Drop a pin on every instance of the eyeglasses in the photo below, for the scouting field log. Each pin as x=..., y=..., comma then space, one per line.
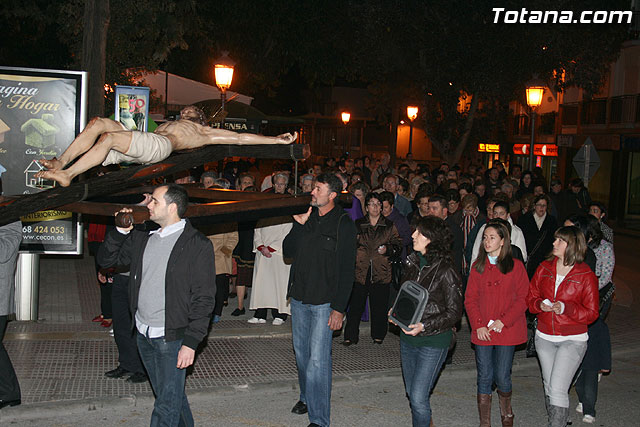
x=540, y=205
x=374, y=204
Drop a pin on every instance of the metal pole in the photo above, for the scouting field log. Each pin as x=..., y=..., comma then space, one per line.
x=223, y=98
x=410, y=138
x=27, y=285
x=533, y=131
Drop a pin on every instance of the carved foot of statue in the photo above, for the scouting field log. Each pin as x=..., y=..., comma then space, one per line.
x=60, y=176
x=53, y=164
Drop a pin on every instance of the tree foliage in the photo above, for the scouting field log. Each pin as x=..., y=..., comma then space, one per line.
x=429, y=52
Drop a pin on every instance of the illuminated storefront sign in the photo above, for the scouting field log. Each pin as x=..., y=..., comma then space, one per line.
x=488, y=148
x=547, y=150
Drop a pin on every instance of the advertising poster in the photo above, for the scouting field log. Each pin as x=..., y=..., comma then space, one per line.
x=51, y=232
x=132, y=107
x=41, y=112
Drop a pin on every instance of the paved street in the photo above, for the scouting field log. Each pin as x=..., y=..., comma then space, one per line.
x=245, y=375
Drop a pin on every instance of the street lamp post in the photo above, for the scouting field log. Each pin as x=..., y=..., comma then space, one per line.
x=223, y=69
x=412, y=113
x=346, y=116
x=535, y=91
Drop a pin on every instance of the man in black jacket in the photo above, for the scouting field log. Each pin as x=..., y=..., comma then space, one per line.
x=322, y=244
x=172, y=292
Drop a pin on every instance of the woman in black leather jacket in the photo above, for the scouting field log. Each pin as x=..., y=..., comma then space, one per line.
x=424, y=347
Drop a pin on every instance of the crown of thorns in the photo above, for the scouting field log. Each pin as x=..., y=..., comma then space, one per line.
x=193, y=114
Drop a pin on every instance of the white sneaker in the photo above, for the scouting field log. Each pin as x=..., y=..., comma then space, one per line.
x=589, y=419
x=256, y=320
x=277, y=321
x=579, y=408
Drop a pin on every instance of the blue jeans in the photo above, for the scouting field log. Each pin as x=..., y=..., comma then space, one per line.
x=160, y=358
x=312, y=345
x=420, y=369
x=494, y=364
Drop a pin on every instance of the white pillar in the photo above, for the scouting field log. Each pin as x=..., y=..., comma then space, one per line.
x=27, y=285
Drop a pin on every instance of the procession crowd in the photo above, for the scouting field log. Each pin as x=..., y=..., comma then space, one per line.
x=525, y=264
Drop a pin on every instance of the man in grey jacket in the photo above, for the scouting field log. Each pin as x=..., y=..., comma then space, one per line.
x=10, y=237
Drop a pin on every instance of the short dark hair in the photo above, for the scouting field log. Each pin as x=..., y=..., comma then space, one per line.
x=502, y=204
x=178, y=195
x=427, y=187
x=372, y=195
x=404, y=184
x=387, y=196
x=577, y=182
x=452, y=194
x=465, y=186
x=438, y=198
x=545, y=198
x=333, y=182
x=600, y=206
x=421, y=195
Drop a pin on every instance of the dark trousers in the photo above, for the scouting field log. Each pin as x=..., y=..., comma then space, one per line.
x=9, y=387
x=587, y=390
x=261, y=313
x=106, y=288
x=222, y=293
x=123, y=331
x=378, y=306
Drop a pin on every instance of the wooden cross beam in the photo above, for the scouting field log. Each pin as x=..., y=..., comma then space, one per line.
x=12, y=208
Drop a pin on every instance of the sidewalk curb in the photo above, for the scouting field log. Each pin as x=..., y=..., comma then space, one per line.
x=41, y=410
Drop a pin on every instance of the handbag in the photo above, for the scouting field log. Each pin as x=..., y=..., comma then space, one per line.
x=396, y=271
x=530, y=350
x=606, y=295
x=535, y=249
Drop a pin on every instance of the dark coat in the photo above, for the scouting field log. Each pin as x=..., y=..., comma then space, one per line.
x=190, y=282
x=370, y=238
x=324, y=254
x=539, y=242
x=442, y=281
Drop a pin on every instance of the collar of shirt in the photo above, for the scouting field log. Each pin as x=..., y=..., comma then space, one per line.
x=170, y=229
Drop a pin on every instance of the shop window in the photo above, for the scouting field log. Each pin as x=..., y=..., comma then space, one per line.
x=594, y=112
x=569, y=114
x=633, y=196
x=547, y=123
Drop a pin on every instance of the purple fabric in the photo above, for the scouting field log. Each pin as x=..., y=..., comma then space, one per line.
x=355, y=211
x=404, y=230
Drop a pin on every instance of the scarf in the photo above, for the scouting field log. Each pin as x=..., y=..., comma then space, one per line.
x=468, y=222
x=539, y=220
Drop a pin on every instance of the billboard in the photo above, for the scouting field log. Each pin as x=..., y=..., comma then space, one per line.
x=132, y=107
x=41, y=112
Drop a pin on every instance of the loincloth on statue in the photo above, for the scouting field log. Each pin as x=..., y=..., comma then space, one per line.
x=145, y=148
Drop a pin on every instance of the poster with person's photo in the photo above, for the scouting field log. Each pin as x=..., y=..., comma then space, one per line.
x=132, y=107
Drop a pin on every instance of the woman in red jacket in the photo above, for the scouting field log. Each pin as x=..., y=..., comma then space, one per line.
x=496, y=303
x=564, y=295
